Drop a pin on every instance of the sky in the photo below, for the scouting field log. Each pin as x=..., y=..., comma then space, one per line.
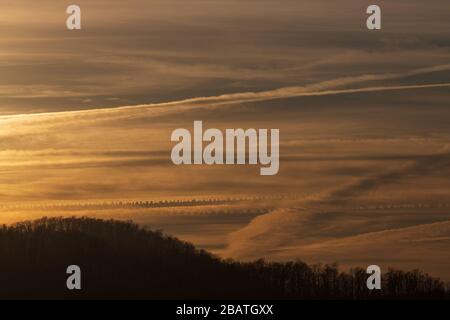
x=86, y=116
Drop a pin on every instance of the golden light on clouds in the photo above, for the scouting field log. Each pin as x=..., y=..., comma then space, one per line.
x=86, y=119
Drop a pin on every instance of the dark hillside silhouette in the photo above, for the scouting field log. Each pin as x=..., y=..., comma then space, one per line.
x=122, y=260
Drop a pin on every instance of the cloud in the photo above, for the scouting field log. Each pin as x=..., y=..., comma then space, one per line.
x=147, y=52
x=364, y=117
x=319, y=89
x=404, y=248
x=273, y=231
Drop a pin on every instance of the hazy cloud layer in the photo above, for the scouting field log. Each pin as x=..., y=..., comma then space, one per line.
x=344, y=152
x=140, y=51
x=364, y=121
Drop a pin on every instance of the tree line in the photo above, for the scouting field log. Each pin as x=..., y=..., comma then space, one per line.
x=123, y=260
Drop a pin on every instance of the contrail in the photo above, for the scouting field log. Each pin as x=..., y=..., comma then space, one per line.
x=262, y=96
x=342, y=91
x=318, y=89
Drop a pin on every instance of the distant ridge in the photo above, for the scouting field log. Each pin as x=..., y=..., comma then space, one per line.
x=122, y=260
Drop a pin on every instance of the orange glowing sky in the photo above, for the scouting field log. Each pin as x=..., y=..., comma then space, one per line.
x=363, y=117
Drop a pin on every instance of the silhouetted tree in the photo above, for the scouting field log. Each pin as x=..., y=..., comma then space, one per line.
x=123, y=260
